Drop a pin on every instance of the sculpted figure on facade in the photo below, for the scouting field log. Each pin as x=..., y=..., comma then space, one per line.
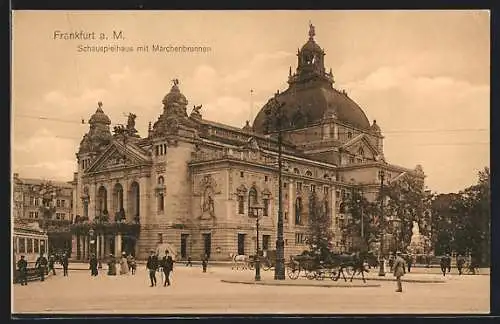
x=195, y=113
x=131, y=124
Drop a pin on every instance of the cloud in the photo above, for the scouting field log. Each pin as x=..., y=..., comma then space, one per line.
x=54, y=156
x=439, y=121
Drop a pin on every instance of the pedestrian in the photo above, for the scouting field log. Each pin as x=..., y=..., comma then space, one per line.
x=460, y=263
x=52, y=261
x=444, y=264
x=399, y=270
x=448, y=262
x=65, y=264
x=410, y=262
x=93, y=265
x=111, y=265
x=204, y=263
x=129, y=262
x=22, y=265
x=189, y=263
x=41, y=265
x=152, y=266
x=391, y=262
x=123, y=264
x=168, y=266
x=133, y=265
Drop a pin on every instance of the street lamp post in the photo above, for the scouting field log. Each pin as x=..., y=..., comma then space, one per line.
x=256, y=213
x=381, y=271
x=275, y=115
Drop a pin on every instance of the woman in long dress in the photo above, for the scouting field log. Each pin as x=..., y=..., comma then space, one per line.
x=123, y=264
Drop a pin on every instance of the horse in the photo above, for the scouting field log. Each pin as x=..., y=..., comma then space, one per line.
x=239, y=260
x=357, y=261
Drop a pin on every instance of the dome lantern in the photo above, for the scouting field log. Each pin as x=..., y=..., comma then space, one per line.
x=99, y=117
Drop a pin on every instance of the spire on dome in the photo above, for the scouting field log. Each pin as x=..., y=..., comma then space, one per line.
x=312, y=31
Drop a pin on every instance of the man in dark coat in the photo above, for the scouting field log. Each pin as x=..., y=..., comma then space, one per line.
x=168, y=266
x=444, y=264
x=52, y=262
x=93, y=265
x=41, y=265
x=65, y=263
x=152, y=266
x=460, y=263
x=410, y=262
x=399, y=270
x=448, y=262
x=204, y=263
x=22, y=265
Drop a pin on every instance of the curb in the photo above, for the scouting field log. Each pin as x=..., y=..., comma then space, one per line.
x=404, y=280
x=263, y=283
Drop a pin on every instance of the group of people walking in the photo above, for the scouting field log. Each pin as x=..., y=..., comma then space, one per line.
x=166, y=265
x=126, y=263
x=43, y=266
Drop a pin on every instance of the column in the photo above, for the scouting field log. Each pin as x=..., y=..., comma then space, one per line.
x=144, y=200
x=98, y=246
x=74, y=246
x=118, y=244
x=109, y=198
x=78, y=248
x=126, y=193
x=93, y=202
x=291, y=202
x=103, y=246
x=334, y=212
x=84, y=247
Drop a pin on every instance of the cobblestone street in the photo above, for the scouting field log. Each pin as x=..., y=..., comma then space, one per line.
x=195, y=292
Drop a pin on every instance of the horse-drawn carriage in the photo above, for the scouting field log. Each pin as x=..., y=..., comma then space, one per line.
x=267, y=260
x=330, y=266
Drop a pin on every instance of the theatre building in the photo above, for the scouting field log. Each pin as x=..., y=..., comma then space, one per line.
x=193, y=182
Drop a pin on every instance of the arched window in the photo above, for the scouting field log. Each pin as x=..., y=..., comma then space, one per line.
x=298, y=210
x=296, y=171
x=361, y=152
x=252, y=199
x=241, y=205
x=349, y=135
x=102, y=201
x=161, y=180
x=309, y=173
x=161, y=201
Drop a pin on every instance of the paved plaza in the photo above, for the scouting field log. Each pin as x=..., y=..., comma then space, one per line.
x=195, y=292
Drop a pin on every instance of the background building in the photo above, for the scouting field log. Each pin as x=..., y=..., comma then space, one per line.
x=191, y=181
x=48, y=203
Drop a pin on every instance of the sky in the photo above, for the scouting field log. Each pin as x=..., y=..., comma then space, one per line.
x=423, y=75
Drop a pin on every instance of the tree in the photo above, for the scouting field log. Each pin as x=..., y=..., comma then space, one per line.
x=364, y=214
x=406, y=197
x=319, y=232
x=462, y=221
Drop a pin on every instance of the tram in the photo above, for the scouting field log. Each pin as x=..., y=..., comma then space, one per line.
x=28, y=240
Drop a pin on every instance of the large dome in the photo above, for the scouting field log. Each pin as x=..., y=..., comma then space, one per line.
x=311, y=96
x=314, y=103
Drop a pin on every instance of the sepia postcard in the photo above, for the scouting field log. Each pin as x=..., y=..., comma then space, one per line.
x=250, y=162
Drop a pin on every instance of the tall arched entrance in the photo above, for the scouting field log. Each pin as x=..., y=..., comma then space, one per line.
x=129, y=239
x=102, y=202
x=118, y=207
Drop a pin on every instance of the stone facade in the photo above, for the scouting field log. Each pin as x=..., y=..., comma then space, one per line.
x=47, y=202
x=191, y=181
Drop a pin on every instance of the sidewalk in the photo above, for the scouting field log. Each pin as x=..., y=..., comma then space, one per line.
x=304, y=283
